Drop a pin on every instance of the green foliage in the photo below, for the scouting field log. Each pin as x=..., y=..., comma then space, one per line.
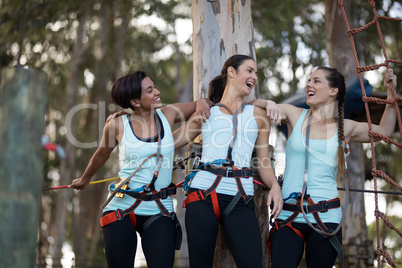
x=290, y=35
x=386, y=159
x=392, y=242
x=290, y=40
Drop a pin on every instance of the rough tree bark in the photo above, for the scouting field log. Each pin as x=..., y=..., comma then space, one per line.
x=341, y=56
x=220, y=30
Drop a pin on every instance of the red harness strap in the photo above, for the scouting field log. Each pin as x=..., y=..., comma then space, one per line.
x=155, y=196
x=200, y=195
x=234, y=173
x=314, y=208
x=112, y=217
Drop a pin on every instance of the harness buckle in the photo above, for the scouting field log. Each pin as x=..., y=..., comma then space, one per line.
x=148, y=190
x=305, y=208
x=229, y=172
x=201, y=196
x=248, y=199
x=324, y=206
x=245, y=173
x=163, y=193
x=118, y=214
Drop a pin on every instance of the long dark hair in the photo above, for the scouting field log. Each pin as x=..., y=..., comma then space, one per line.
x=218, y=84
x=127, y=88
x=337, y=80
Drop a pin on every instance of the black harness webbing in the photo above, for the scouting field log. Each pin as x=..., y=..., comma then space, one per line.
x=228, y=170
x=324, y=231
x=313, y=208
x=150, y=195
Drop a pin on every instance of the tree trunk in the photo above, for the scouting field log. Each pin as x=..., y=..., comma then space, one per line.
x=59, y=228
x=220, y=30
x=341, y=56
x=87, y=212
x=22, y=109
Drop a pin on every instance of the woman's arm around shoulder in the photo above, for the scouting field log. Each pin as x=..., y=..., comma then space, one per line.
x=180, y=112
x=279, y=113
x=265, y=170
x=187, y=132
x=111, y=132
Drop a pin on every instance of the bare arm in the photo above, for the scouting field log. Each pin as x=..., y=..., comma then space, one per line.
x=101, y=155
x=180, y=112
x=273, y=110
x=265, y=169
x=358, y=131
x=187, y=132
x=279, y=113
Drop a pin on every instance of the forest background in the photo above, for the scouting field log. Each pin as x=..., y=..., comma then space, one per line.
x=83, y=46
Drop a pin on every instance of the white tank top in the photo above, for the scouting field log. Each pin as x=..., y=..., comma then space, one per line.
x=132, y=152
x=216, y=137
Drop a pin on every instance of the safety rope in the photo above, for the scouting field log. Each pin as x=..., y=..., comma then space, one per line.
x=359, y=69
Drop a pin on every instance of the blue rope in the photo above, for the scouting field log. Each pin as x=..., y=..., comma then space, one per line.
x=292, y=195
x=187, y=180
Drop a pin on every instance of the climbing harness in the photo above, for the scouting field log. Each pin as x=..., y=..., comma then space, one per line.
x=313, y=208
x=221, y=168
x=145, y=193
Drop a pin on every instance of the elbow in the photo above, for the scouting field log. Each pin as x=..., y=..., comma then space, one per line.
x=389, y=133
x=103, y=153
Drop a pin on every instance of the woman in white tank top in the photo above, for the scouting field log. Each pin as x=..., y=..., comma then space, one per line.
x=221, y=193
x=139, y=135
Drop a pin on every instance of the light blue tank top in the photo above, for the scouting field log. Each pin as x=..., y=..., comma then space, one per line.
x=216, y=136
x=322, y=169
x=132, y=152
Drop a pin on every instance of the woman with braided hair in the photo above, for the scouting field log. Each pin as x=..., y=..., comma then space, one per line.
x=315, y=158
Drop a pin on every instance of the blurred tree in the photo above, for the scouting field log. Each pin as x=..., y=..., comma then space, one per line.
x=121, y=36
x=220, y=30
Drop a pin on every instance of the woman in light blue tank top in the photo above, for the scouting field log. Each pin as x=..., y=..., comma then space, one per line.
x=138, y=136
x=318, y=231
x=222, y=192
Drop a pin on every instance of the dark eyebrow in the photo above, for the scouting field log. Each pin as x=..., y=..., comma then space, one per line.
x=253, y=69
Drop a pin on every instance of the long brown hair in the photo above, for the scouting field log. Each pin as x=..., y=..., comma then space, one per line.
x=337, y=80
x=218, y=84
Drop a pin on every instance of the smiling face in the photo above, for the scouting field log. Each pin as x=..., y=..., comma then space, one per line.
x=245, y=78
x=150, y=96
x=318, y=90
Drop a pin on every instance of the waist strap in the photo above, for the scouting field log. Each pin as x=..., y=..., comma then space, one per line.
x=162, y=194
x=322, y=206
x=228, y=172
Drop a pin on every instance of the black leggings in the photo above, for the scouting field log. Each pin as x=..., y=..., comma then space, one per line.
x=240, y=229
x=158, y=242
x=288, y=247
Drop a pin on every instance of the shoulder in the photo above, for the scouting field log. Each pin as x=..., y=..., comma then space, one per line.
x=289, y=108
x=169, y=112
x=259, y=111
x=261, y=118
x=292, y=113
x=116, y=125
